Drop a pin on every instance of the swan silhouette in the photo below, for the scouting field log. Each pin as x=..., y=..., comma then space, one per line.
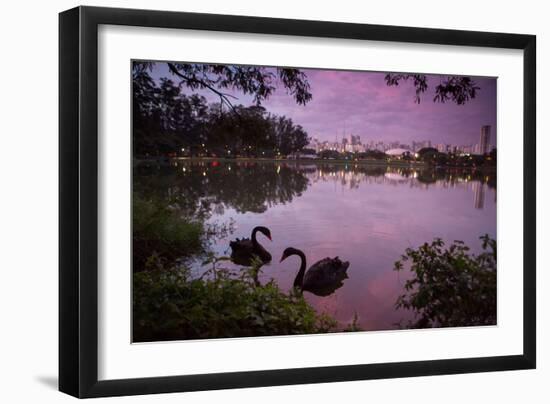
x=322, y=278
x=244, y=250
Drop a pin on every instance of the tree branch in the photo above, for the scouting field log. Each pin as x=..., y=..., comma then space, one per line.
x=223, y=96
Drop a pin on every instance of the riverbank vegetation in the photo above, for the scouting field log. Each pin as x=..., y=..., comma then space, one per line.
x=169, y=304
x=450, y=286
x=162, y=235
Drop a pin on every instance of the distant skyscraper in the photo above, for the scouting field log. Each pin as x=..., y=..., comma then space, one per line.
x=484, y=139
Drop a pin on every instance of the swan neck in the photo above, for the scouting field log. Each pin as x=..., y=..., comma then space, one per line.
x=299, y=281
x=253, y=236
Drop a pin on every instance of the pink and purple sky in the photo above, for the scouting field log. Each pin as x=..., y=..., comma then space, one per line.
x=362, y=104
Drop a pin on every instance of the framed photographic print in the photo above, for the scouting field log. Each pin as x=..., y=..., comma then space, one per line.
x=251, y=201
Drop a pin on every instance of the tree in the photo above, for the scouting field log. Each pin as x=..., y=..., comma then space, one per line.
x=167, y=121
x=425, y=150
x=309, y=152
x=161, y=114
x=373, y=154
x=433, y=156
x=492, y=158
x=257, y=81
x=329, y=154
x=458, y=89
x=289, y=138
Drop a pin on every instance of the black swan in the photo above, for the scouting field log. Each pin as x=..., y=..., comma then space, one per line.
x=322, y=278
x=244, y=250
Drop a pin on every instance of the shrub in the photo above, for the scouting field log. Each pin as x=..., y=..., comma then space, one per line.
x=161, y=231
x=169, y=305
x=450, y=287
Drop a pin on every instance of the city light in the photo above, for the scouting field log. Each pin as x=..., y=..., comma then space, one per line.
x=354, y=144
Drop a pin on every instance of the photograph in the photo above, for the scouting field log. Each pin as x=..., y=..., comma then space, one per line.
x=276, y=201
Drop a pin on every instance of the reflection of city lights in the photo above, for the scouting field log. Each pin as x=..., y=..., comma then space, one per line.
x=204, y=173
x=278, y=169
x=229, y=168
x=184, y=169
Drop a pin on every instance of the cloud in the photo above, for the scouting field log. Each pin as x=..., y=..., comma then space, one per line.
x=361, y=103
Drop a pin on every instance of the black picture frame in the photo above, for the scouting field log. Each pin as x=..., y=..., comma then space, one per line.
x=78, y=201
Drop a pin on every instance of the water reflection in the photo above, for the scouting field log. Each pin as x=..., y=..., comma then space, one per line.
x=367, y=215
x=256, y=186
x=479, y=195
x=204, y=187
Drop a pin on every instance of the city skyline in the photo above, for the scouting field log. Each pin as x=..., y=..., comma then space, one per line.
x=360, y=103
x=354, y=143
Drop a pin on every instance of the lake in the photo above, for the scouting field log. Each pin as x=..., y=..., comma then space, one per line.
x=365, y=214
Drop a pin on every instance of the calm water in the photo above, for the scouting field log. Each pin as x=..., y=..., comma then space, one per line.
x=365, y=215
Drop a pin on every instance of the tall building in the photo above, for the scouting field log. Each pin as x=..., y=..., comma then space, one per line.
x=485, y=139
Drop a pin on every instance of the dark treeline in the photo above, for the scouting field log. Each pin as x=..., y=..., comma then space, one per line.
x=428, y=155
x=168, y=122
x=434, y=157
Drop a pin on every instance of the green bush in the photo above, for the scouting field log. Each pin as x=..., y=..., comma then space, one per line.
x=450, y=287
x=161, y=231
x=169, y=305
